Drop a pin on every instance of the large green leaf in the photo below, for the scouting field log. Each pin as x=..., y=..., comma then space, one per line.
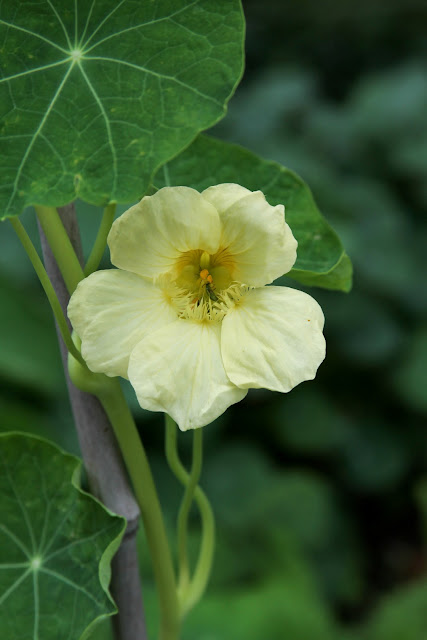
x=56, y=544
x=96, y=94
x=321, y=259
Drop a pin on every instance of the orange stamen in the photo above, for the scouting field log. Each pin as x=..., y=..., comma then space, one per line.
x=204, y=274
x=209, y=279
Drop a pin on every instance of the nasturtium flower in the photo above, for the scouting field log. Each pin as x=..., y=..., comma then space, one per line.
x=187, y=316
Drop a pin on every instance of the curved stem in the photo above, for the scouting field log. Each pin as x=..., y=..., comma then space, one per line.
x=200, y=578
x=196, y=468
x=61, y=246
x=101, y=240
x=112, y=399
x=47, y=286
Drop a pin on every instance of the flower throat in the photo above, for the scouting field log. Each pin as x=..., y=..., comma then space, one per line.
x=201, y=286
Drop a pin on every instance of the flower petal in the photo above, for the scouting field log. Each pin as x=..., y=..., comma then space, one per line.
x=255, y=234
x=273, y=339
x=111, y=311
x=178, y=370
x=149, y=237
x=222, y=196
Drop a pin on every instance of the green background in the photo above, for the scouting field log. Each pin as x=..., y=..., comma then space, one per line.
x=320, y=495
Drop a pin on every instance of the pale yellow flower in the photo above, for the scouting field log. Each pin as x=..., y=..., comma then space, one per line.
x=187, y=317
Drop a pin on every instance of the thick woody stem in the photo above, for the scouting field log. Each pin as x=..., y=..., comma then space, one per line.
x=104, y=466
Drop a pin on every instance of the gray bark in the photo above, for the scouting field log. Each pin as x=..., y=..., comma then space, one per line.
x=104, y=466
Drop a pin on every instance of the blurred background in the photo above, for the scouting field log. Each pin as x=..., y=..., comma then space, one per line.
x=320, y=495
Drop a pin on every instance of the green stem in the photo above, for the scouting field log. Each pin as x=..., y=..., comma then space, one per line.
x=182, y=527
x=47, y=286
x=204, y=563
x=61, y=246
x=101, y=240
x=114, y=403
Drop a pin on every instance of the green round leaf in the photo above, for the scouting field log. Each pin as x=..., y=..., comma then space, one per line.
x=94, y=96
x=56, y=544
x=321, y=260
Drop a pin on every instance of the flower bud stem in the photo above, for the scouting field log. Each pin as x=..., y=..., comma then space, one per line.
x=101, y=240
x=47, y=286
x=197, y=585
x=61, y=246
x=110, y=394
x=138, y=466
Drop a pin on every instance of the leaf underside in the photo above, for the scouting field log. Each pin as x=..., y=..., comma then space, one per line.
x=56, y=544
x=321, y=260
x=96, y=94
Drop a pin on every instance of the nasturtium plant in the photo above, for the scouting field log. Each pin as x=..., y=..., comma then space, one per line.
x=56, y=544
x=105, y=100
x=94, y=96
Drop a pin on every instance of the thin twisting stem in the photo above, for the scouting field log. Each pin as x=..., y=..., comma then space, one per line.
x=101, y=240
x=47, y=286
x=200, y=578
x=184, y=511
x=61, y=246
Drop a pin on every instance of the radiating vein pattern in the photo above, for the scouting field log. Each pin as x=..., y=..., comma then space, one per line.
x=96, y=95
x=52, y=540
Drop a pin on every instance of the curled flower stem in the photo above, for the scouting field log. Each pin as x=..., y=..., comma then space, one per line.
x=197, y=585
x=184, y=511
x=61, y=246
x=47, y=286
x=98, y=249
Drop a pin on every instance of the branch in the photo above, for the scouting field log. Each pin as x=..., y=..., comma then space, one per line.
x=106, y=472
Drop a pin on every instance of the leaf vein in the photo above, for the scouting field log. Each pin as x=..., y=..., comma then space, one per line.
x=21, y=506
x=29, y=71
x=36, y=134
x=107, y=125
x=137, y=26
x=157, y=75
x=89, y=15
x=16, y=540
x=58, y=17
x=36, y=605
x=75, y=543
x=14, y=586
x=35, y=35
x=58, y=530
x=70, y=583
x=101, y=24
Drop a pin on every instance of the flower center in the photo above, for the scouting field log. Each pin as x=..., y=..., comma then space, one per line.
x=206, y=280
x=201, y=286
